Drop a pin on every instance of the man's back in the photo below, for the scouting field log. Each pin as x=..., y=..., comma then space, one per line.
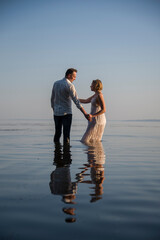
x=61, y=91
x=62, y=94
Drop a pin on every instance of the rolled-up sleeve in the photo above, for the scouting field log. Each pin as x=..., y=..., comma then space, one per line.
x=74, y=96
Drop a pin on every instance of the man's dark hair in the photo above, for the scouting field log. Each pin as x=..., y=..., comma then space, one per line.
x=70, y=71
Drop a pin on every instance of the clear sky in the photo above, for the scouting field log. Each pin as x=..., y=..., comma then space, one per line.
x=117, y=41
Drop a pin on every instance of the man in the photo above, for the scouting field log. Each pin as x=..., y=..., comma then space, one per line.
x=62, y=93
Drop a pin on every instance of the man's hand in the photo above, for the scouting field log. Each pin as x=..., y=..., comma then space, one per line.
x=88, y=117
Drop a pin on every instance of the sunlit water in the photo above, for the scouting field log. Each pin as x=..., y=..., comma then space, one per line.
x=108, y=191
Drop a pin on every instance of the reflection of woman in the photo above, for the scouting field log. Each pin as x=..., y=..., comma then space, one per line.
x=97, y=170
x=96, y=157
x=96, y=161
x=97, y=124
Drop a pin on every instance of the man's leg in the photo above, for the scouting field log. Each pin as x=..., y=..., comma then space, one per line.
x=67, y=121
x=58, y=127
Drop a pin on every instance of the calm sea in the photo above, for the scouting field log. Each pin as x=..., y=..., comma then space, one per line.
x=108, y=191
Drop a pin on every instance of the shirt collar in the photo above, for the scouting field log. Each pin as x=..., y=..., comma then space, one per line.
x=67, y=80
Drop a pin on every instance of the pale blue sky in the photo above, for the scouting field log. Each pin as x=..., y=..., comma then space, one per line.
x=116, y=41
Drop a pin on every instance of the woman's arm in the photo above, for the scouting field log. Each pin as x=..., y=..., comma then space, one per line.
x=102, y=105
x=88, y=100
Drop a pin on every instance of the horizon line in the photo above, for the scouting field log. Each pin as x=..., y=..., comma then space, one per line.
x=122, y=120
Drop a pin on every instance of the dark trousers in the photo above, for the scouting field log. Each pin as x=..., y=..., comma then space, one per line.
x=65, y=122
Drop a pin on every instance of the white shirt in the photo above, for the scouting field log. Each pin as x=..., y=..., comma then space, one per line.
x=62, y=93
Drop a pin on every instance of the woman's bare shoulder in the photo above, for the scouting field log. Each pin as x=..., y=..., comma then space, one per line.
x=100, y=95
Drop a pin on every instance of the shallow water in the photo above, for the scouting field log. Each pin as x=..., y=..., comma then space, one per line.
x=111, y=190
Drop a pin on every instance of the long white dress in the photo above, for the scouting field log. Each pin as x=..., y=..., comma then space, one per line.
x=95, y=129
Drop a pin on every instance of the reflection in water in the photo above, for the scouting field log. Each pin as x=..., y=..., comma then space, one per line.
x=61, y=183
x=96, y=161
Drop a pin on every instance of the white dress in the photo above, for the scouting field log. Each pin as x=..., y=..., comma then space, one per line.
x=95, y=129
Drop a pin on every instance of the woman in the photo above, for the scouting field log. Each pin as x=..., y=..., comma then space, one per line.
x=97, y=121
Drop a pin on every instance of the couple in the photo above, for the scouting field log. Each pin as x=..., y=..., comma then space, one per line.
x=62, y=93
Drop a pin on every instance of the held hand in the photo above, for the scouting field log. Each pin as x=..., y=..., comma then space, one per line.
x=88, y=117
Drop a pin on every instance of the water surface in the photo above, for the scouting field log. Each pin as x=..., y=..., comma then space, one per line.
x=111, y=190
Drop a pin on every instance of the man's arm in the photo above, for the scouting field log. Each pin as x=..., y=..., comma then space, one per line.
x=74, y=96
x=87, y=116
x=75, y=99
x=52, y=98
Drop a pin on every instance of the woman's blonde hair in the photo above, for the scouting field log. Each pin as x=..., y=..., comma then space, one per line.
x=97, y=84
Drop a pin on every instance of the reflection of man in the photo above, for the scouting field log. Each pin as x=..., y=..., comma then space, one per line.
x=62, y=93
x=61, y=183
